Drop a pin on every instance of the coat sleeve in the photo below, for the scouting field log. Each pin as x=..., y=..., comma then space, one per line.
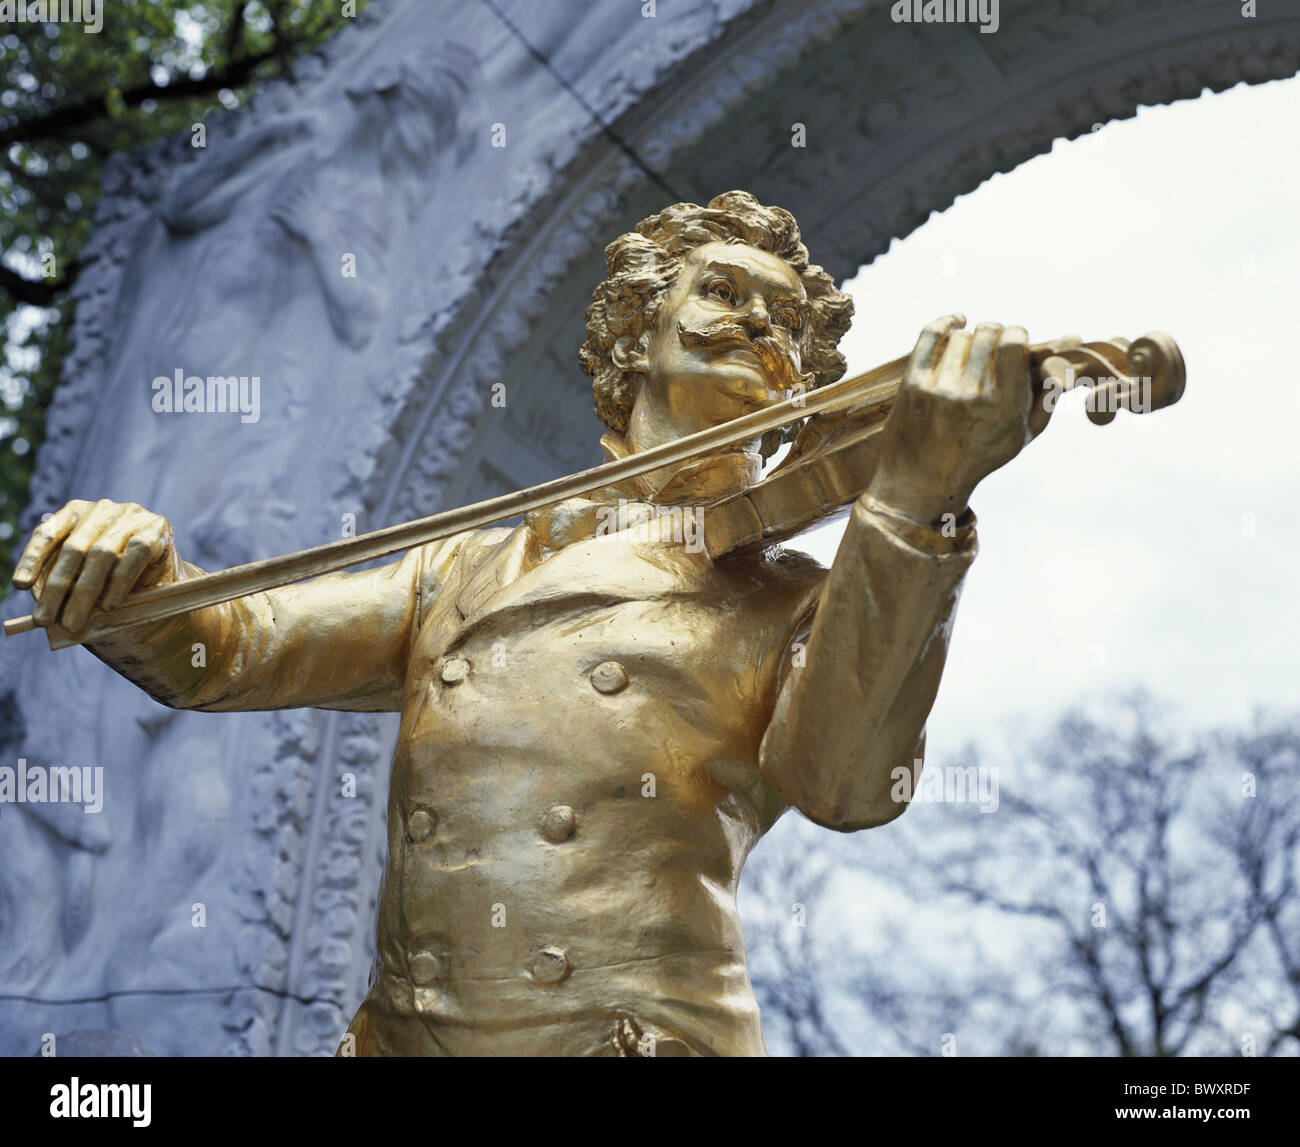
x=851, y=712
x=341, y=641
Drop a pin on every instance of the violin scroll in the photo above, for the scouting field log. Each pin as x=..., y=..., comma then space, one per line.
x=1146, y=374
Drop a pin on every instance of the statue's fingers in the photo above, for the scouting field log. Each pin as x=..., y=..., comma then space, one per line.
x=45, y=538
x=1041, y=406
x=929, y=347
x=72, y=554
x=99, y=563
x=1014, y=378
x=86, y=589
x=144, y=547
x=979, y=376
x=1011, y=363
x=952, y=364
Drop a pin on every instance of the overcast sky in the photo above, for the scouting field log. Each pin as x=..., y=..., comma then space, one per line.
x=1162, y=549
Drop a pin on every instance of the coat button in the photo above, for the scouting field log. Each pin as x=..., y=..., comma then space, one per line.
x=609, y=677
x=558, y=823
x=551, y=966
x=419, y=826
x=426, y=968
x=454, y=670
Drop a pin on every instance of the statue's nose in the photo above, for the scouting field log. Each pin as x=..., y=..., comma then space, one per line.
x=755, y=316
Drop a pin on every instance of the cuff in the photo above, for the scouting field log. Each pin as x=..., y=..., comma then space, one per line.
x=937, y=539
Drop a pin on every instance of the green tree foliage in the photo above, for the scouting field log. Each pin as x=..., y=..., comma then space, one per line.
x=70, y=98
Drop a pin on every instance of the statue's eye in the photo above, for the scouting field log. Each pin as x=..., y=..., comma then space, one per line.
x=722, y=290
x=787, y=317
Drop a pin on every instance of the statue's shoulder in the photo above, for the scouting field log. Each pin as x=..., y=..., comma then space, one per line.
x=783, y=569
x=460, y=552
x=791, y=587
x=489, y=539
x=796, y=565
x=477, y=546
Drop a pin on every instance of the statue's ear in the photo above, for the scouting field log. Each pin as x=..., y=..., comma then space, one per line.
x=627, y=355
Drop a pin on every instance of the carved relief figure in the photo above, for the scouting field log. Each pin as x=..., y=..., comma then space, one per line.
x=247, y=239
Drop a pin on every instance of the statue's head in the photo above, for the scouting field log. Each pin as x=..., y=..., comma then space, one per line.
x=715, y=308
x=417, y=108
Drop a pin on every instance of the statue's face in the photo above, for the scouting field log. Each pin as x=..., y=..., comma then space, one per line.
x=728, y=336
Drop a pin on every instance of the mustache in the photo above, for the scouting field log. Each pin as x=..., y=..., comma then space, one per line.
x=771, y=353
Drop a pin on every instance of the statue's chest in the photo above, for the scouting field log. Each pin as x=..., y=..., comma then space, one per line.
x=605, y=671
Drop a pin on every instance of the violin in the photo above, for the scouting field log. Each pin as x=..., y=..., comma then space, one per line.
x=833, y=456
x=830, y=462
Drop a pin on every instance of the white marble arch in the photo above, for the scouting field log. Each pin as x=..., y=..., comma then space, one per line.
x=474, y=268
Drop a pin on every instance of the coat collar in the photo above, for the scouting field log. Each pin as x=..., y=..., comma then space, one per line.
x=626, y=513
x=625, y=504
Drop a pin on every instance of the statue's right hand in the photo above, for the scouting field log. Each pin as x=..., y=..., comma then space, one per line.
x=94, y=553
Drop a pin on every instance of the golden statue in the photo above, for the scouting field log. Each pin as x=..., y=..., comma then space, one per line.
x=605, y=707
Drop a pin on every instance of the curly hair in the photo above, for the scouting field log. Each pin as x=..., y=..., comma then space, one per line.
x=644, y=263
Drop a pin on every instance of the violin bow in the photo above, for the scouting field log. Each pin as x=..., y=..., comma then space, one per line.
x=1125, y=365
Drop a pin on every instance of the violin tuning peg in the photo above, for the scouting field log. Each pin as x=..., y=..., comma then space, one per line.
x=1156, y=364
x=1104, y=399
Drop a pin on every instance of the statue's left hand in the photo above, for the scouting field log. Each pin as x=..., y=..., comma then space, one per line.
x=965, y=407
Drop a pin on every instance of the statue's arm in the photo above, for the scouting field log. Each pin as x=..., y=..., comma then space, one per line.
x=341, y=641
x=854, y=711
x=205, y=193
x=354, y=301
